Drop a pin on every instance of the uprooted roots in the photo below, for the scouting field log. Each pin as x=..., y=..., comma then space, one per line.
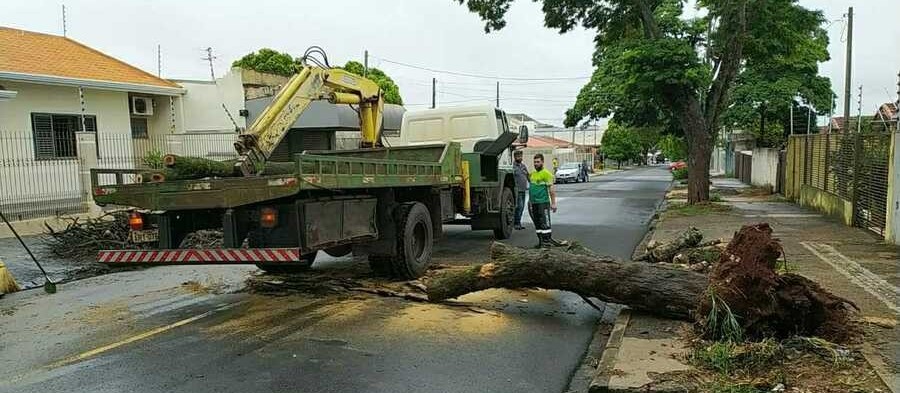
x=765, y=303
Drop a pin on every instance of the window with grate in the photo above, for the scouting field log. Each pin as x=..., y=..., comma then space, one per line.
x=54, y=134
x=139, y=128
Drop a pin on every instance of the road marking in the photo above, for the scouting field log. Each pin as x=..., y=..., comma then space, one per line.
x=862, y=277
x=138, y=337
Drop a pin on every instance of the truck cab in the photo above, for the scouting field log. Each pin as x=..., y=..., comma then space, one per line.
x=473, y=127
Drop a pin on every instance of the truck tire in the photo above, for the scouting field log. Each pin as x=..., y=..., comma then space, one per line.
x=304, y=264
x=415, y=241
x=507, y=215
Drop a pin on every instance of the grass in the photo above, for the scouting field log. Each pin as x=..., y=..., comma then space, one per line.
x=680, y=209
x=721, y=324
x=716, y=197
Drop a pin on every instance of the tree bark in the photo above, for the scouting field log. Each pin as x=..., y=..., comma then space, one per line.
x=763, y=302
x=657, y=289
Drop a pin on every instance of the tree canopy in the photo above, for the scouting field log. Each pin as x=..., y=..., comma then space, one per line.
x=268, y=60
x=620, y=144
x=657, y=65
x=388, y=87
x=274, y=62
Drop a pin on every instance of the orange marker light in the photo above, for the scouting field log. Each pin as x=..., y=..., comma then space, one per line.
x=136, y=221
x=268, y=217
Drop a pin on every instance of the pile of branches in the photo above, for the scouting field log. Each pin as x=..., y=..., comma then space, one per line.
x=83, y=237
x=687, y=250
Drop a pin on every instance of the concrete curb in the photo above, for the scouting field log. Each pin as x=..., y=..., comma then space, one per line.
x=600, y=382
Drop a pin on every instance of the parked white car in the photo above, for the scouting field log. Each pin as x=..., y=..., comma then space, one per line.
x=570, y=172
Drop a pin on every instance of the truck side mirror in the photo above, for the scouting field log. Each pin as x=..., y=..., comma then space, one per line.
x=523, y=134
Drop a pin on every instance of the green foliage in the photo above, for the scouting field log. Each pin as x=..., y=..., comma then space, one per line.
x=388, y=87
x=153, y=159
x=655, y=65
x=269, y=61
x=781, y=72
x=620, y=144
x=274, y=62
x=721, y=324
x=680, y=173
x=673, y=147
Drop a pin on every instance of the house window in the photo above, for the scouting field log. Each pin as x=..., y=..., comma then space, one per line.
x=54, y=135
x=139, y=128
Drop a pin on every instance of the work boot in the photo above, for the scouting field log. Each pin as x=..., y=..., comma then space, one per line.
x=557, y=243
x=545, y=241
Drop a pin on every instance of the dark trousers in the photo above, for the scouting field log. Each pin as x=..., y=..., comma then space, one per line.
x=520, y=206
x=540, y=216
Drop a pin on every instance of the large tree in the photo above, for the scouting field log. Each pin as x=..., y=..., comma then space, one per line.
x=274, y=62
x=620, y=144
x=652, y=59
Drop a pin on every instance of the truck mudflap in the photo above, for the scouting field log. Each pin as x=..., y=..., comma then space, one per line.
x=210, y=256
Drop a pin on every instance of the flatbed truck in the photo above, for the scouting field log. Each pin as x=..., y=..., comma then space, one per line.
x=387, y=202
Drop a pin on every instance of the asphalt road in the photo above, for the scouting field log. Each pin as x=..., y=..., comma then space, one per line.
x=142, y=331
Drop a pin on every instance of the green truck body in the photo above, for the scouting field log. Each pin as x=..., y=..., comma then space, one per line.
x=387, y=203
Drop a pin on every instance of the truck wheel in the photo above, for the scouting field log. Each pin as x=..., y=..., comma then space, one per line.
x=304, y=264
x=507, y=215
x=415, y=240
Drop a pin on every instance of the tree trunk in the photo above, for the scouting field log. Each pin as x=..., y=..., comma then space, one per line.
x=657, y=289
x=763, y=302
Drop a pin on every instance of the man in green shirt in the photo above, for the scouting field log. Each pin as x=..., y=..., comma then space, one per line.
x=542, y=200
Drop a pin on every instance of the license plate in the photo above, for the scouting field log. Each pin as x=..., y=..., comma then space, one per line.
x=145, y=236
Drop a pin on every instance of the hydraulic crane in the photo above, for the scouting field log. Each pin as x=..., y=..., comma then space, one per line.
x=315, y=80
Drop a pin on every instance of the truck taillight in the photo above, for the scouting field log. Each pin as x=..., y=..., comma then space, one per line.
x=136, y=221
x=268, y=217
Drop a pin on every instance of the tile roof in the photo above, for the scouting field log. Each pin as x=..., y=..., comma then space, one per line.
x=546, y=141
x=31, y=53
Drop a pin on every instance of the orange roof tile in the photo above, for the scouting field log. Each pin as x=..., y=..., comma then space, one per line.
x=31, y=53
x=546, y=141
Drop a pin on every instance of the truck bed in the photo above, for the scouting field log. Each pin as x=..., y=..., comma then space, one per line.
x=408, y=166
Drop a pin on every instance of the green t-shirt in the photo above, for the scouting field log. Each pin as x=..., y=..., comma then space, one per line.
x=539, y=191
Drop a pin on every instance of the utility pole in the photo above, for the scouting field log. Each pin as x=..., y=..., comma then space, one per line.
x=159, y=60
x=433, y=93
x=859, y=111
x=847, y=67
x=65, y=32
x=209, y=57
x=792, y=117
x=366, y=65
x=498, y=94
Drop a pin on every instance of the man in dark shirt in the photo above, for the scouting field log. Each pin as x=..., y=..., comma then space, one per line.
x=521, y=175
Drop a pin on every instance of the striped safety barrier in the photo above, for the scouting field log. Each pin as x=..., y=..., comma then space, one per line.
x=200, y=256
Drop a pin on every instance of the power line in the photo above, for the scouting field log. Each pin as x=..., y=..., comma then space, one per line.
x=470, y=75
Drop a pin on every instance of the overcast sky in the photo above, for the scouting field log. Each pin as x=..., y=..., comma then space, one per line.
x=436, y=34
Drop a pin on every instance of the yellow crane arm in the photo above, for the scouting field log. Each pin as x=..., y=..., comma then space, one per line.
x=311, y=83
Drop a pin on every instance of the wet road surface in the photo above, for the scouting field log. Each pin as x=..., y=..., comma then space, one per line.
x=142, y=331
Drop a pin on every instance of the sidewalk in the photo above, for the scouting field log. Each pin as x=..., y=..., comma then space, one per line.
x=849, y=262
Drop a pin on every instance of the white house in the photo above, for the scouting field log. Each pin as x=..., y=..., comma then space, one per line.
x=65, y=107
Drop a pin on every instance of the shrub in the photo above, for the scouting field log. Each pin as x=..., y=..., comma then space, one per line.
x=680, y=173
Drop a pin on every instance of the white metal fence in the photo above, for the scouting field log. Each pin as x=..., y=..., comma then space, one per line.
x=35, y=186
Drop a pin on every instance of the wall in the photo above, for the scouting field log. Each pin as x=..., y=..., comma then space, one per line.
x=717, y=162
x=764, y=172
x=202, y=103
x=110, y=107
x=892, y=229
x=827, y=203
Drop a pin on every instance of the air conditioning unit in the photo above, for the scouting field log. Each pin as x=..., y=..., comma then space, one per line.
x=142, y=106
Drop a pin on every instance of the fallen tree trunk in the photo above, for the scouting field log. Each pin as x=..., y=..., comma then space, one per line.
x=744, y=287
x=657, y=289
x=665, y=251
x=189, y=168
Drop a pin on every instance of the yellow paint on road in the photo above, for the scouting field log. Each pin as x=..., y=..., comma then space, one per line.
x=135, y=338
